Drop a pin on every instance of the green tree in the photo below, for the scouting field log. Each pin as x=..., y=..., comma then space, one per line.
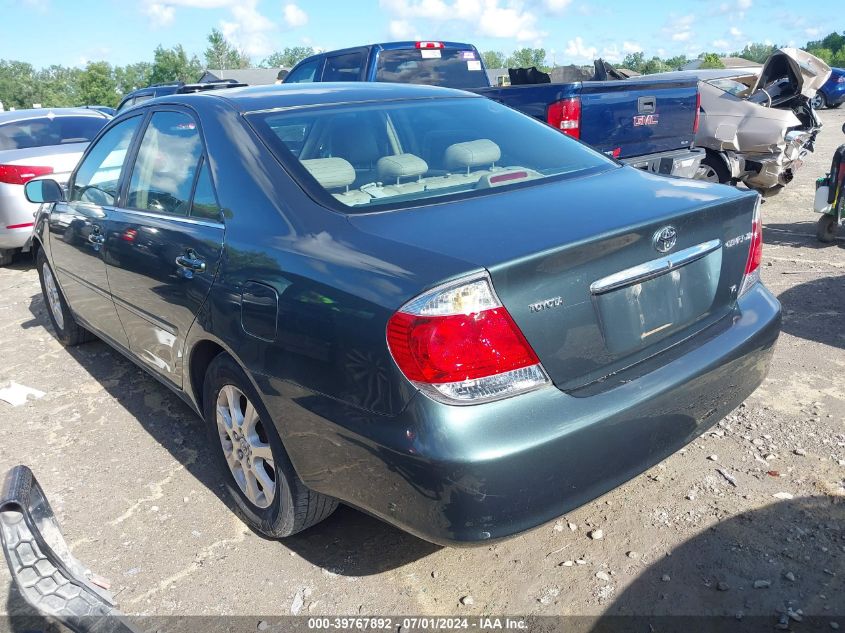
x=838, y=60
x=287, y=58
x=173, y=64
x=18, y=85
x=493, y=59
x=527, y=57
x=132, y=76
x=711, y=60
x=220, y=54
x=676, y=62
x=756, y=52
x=654, y=65
x=97, y=85
x=634, y=61
x=825, y=54
x=59, y=86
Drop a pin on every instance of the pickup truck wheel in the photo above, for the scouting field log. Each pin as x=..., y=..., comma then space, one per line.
x=819, y=102
x=712, y=169
x=267, y=493
x=826, y=229
x=68, y=331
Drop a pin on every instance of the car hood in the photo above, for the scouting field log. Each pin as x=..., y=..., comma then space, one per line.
x=807, y=71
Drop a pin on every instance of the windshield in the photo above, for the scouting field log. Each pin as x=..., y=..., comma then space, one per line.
x=731, y=86
x=371, y=156
x=446, y=67
x=50, y=130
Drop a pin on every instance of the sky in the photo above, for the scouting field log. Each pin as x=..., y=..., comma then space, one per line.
x=73, y=32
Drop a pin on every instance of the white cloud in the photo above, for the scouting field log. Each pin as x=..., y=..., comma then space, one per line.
x=813, y=31
x=249, y=29
x=735, y=32
x=400, y=29
x=679, y=28
x=577, y=51
x=631, y=47
x=721, y=45
x=557, y=6
x=506, y=19
x=160, y=15
x=294, y=16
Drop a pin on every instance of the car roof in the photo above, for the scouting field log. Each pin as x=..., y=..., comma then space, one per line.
x=280, y=96
x=39, y=113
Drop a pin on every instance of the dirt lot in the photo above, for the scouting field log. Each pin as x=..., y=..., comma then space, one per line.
x=128, y=471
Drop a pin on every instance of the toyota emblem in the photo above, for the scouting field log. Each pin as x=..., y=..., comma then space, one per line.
x=664, y=239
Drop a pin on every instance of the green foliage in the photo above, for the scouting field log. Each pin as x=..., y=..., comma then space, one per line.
x=132, y=76
x=825, y=54
x=711, y=60
x=222, y=55
x=527, y=57
x=756, y=52
x=638, y=62
x=173, y=64
x=97, y=85
x=493, y=59
x=287, y=58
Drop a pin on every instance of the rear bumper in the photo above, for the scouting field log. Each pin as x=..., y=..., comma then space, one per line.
x=16, y=217
x=459, y=475
x=682, y=163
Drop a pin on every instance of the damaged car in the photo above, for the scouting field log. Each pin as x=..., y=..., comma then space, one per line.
x=757, y=124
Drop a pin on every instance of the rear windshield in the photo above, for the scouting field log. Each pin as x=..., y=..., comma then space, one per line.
x=436, y=67
x=43, y=131
x=376, y=156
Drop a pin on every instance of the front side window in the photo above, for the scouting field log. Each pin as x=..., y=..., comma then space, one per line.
x=50, y=130
x=167, y=162
x=400, y=154
x=304, y=73
x=344, y=67
x=98, y=176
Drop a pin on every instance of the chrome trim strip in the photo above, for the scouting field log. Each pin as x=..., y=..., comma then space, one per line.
x=654, y=268
x=184, y=219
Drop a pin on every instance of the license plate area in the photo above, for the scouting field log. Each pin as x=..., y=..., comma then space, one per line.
x=644, y=304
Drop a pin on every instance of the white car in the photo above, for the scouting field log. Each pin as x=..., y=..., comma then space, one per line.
x=36, y=143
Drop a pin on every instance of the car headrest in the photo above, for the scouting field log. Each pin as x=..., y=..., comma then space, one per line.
x=331, y=173
x=472, y=154
x=399, y=166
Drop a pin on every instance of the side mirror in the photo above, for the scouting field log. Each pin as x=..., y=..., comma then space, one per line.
x=43, y=190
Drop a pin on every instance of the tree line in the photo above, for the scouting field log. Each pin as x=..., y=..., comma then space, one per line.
x=100, y=83
x=831, y=49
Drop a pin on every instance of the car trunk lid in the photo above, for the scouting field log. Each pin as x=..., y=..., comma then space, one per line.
x=578, y=263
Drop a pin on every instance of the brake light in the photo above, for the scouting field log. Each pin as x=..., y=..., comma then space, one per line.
x=697, y=113
x=21, y=174
x=459, y=345
x=565, y=115
x=755, y=253
x=429, y=44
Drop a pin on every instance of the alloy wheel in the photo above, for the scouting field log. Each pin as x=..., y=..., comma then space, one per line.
x=53, y=299
x=707, y=173
x=246, y=446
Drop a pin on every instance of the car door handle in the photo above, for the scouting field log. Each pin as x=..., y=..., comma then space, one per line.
x=191, y=261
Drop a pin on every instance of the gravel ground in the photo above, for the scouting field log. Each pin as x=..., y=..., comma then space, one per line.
x=758, y=501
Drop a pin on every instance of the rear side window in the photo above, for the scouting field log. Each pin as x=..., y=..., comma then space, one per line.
x=167, y=162
x=437, y=67
x=304, y=73
x=205, y=201
x=50, y=130
x=98, y=176
x=344, y=67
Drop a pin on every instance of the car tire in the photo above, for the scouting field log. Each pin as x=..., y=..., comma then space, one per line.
x=68, y=331
x=836, y=105
x=253, y=458
x=6, y=257
x=819, y=101
x=826, y=229
x=713, y=169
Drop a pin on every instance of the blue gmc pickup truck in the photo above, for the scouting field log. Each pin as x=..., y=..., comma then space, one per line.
x=647, y=123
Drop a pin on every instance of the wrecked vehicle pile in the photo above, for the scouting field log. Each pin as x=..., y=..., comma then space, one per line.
x=758, y=125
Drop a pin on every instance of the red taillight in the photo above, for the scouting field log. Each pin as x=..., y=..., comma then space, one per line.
x=21, y=174
x=697, y=113
x=429, y=44
x=460, y=345
x=755, y=253
x=457, y=347
x=565, y=115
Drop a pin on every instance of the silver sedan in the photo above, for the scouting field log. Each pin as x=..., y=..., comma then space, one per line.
x=35, y=143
